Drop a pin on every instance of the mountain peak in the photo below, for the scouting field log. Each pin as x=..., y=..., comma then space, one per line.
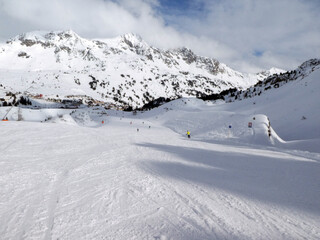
x=134, y=40
x=33, y=37
x=123, y=70
x=68, y=34
x=132, y=37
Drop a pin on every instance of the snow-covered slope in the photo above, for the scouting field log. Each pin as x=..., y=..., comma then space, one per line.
x=276, y=81
x=125, y=71
x=76, y=177
x=290, y=101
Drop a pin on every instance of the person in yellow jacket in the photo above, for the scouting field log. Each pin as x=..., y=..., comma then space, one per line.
x=188, y=133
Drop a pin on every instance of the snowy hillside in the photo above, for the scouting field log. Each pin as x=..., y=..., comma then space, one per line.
x=65, y=174
x=125, y=71
x=277, y=80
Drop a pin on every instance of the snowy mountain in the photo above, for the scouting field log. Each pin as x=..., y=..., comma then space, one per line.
x=124, y=71
x=276, y=81
x=96, y=173
x=272, y=82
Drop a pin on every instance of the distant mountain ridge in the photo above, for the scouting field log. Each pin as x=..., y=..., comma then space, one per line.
x=271, y=82
x=124, y=71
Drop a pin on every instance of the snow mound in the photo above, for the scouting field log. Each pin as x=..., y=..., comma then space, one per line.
x=262, y=132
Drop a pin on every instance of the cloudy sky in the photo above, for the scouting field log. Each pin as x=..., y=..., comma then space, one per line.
x=247, y=35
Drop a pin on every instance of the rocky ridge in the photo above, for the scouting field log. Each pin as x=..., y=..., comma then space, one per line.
x=124, y=71
x=272, y=82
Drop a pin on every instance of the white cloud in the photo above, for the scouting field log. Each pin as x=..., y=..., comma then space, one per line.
x=280, y=29
x=283, y=32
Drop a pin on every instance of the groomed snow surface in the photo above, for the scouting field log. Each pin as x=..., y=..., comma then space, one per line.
x=66, y=175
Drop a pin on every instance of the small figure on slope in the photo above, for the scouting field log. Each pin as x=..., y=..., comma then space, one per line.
x=188, y=134
x=269, y=128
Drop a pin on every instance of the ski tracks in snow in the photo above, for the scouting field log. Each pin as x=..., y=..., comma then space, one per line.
x=220, y=214
x=191, y=208
x=106, y=183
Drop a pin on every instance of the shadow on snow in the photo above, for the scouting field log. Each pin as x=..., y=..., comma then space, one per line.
x=284, y=180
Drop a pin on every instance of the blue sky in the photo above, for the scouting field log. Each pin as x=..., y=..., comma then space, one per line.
x=175, y=4
x=181, y=7
x=171, y=10
x=247, y=35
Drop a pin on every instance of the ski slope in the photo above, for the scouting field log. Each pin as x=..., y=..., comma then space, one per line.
x=65, y=174
x=72, y=177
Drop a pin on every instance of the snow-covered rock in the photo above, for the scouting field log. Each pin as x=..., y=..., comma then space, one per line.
x=124, y=71
x=274, y=81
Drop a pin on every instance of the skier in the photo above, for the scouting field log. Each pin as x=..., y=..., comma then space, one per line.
x=188, y=133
